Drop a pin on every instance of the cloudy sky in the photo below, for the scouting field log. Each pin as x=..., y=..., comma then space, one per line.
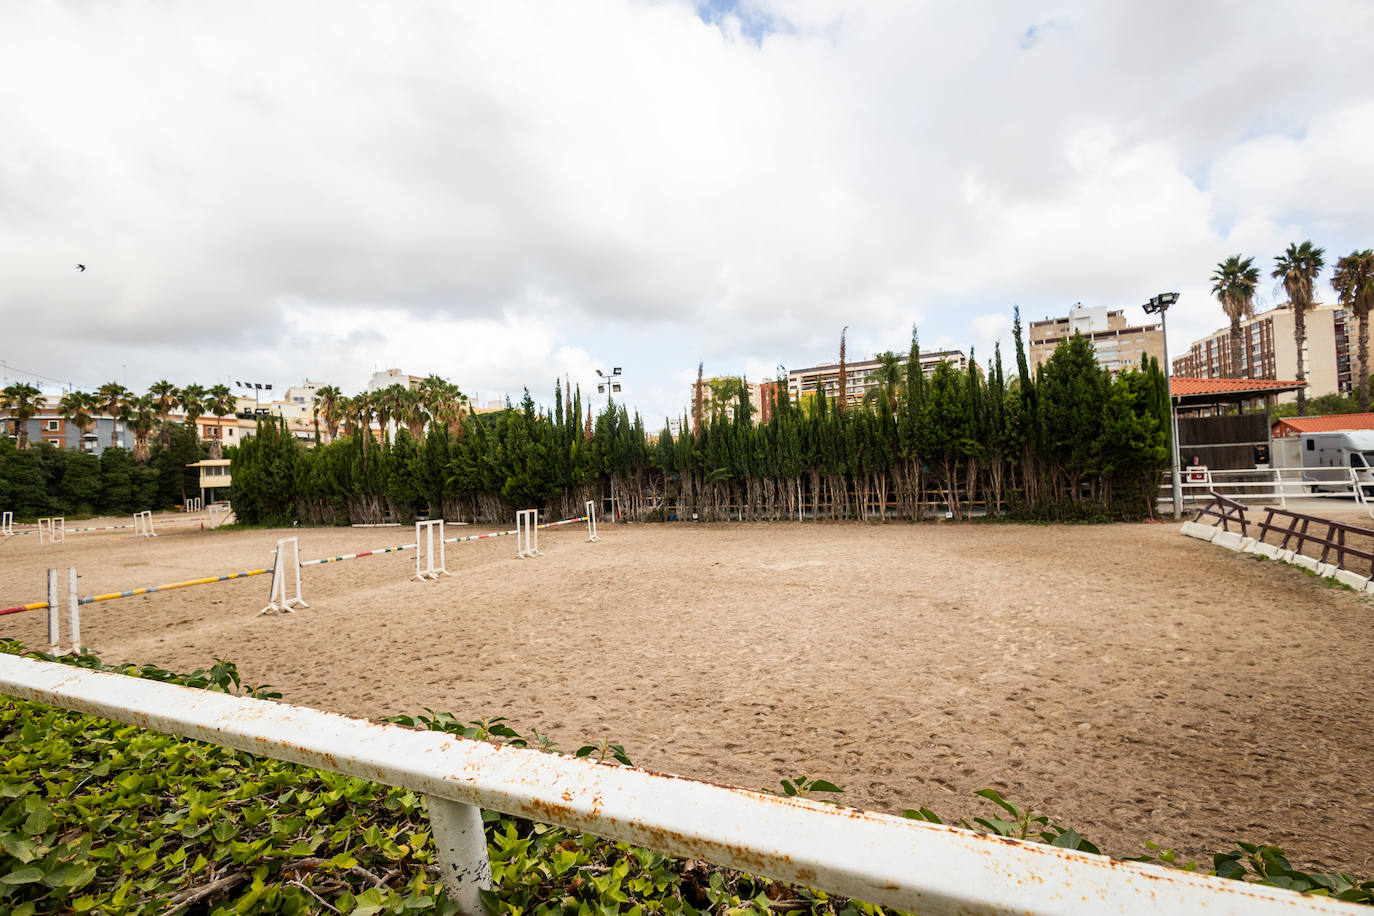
x=506, y=192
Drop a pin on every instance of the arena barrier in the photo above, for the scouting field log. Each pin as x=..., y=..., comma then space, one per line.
x=143, y=524
x=56, y=527
x=7, y=524
x=278, y=600
x=591, y=522
x=219, y=514
x=895, y=862
x=424, y=550
x=526, y=534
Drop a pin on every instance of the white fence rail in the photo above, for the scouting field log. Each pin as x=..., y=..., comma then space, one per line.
x=910, y=865
x=1273, y=485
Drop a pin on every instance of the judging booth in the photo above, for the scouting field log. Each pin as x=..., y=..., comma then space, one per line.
x=214, y=474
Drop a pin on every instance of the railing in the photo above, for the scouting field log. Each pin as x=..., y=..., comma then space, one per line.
x=892, y=861
x=1226, y=511
x=1296, y=535
x=1273, y=485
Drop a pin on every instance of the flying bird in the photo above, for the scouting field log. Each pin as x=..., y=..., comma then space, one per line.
x=81, y=267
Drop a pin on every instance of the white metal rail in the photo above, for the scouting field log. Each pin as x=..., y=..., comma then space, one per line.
x=911, y=865
x=1276, y=485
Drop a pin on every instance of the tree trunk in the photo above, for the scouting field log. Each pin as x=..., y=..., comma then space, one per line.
x=1300, y=337
x=1237, y=348
x=1364, y=362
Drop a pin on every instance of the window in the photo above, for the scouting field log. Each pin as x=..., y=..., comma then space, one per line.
x=52, y=426
x=1311, y=444
x=57, y=442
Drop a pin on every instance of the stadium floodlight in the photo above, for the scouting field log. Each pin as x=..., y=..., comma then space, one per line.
x=1159, y=305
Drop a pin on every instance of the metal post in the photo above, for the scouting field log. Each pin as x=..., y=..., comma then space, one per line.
x=74, y=608
x=1173, y=413
x=461, y=847
x=54, y=609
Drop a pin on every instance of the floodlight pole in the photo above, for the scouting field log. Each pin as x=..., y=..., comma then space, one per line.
x=1160, y=305
x=609, y=378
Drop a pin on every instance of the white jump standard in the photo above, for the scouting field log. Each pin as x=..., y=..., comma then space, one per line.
x=424, y=550
x=526, y=533
x=56, y=528
x=143, y=524
x=591, y=522
x=6, y=524
x=278, y=601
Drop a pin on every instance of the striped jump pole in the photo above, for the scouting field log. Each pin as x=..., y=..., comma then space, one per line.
x=360, y=554
x=479, y=537
x=148, y=590
x=19, y=608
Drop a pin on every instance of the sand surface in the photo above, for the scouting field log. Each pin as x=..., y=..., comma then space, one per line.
x=1129, y=681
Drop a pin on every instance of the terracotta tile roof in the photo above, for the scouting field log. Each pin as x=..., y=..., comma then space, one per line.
x=1327, y=424
x=1186, y=387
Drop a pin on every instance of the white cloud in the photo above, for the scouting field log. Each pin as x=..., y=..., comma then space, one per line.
x=503, y=192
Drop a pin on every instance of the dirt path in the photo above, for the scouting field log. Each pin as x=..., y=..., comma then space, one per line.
x=1131, y=682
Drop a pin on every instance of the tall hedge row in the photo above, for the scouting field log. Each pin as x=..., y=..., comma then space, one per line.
x=1067, y=441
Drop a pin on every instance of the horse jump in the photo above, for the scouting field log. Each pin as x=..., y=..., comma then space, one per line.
x=56, y=528
x=424, y=550
x=143, y=524
x=526, y=534
x=278, y=600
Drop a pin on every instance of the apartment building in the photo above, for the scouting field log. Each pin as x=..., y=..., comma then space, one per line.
x=391, y=377
x=762, y=396
x=860, y=377
x=1269, y=350
x=1117, y=343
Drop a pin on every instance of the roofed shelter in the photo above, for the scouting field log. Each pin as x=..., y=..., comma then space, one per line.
x=1210, y=436
x=214, y=472
x=1293, y=427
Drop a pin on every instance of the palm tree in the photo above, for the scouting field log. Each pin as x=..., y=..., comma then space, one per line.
x=412, y=413
x=1297, y=269
x=328, y=402
x=390, y=403
x=363, y=411
x=141, y=416
x=22, y=401
x=164, y=395
x=1234, y=286
x=220, y=401
x=114, y=398
x=78, y=408
x=192, y=399
x=887, y=376
x=1354, y=285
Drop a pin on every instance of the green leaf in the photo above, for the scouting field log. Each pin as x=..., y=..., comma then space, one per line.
x=26, y=875
x=38, y=821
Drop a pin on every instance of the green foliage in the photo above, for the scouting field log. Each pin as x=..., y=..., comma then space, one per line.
x=264, y=475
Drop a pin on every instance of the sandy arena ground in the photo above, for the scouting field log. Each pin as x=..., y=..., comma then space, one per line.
x=1131, y=682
